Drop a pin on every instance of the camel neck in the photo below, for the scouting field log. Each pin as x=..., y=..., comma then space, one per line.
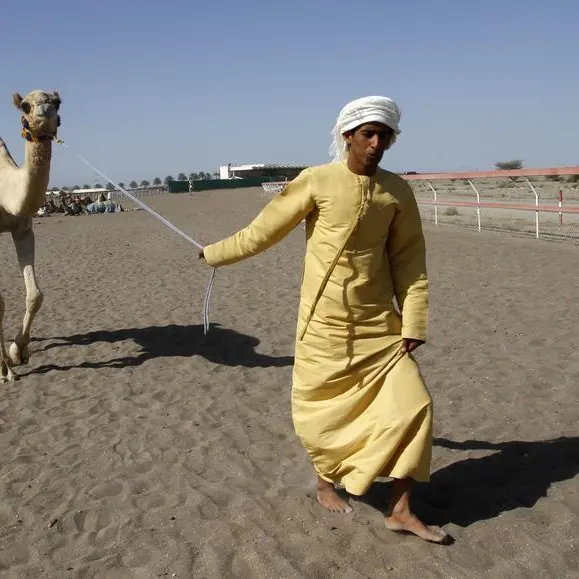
x=37, y=156
x=35, y=173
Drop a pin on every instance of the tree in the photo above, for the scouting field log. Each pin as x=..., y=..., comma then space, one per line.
x=181, y=177
x=216, y=175
x=121, y=184
x=98, y=186
x=133, y=185
x=157, y=181
x=167, y=179
x=193, y=176
x=86, y=186
x=509, y=165
x=76, y=187
x=144, y=183
x=201, y=174
x=110, y=187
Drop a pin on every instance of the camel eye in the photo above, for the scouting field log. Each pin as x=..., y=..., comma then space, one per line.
x=25, y=107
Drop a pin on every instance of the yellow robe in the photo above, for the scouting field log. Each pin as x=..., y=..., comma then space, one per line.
x=359, y=406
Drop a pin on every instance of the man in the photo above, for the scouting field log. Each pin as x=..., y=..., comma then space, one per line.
x=359, y=404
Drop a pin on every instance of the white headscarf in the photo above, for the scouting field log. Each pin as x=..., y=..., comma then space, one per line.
x=377, y=109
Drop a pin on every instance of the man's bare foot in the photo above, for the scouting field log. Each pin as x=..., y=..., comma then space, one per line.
x=329, y=498
x=409, y=523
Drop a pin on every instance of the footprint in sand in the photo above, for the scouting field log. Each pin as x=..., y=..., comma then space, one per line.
x=107, y=489
x=79, y=520
x=91, y=521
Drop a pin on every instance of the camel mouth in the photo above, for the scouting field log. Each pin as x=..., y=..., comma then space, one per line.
x=44, y=126
x=38, y=131
x=36, y=136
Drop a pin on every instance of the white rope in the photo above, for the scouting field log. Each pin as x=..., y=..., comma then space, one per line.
x=162, y=220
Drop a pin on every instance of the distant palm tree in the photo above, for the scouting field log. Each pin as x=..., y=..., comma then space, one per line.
x=133, y=185
x=86, y=186
x=181, y=177
x=144, y=183
x=167, y=179
x=98, y=186
x=121, y=184
x=157, y=181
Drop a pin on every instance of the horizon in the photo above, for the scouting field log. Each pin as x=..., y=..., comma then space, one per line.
x=545, y=172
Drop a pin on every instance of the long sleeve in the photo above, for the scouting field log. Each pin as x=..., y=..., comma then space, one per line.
x=276, y=220
x=407, y=255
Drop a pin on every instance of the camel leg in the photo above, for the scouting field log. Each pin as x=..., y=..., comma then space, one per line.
x=6, y=374
x=24, y=243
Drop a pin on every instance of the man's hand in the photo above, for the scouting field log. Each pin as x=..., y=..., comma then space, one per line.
x=410, y=344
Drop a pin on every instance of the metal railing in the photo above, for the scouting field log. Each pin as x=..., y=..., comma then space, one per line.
x=148, y=192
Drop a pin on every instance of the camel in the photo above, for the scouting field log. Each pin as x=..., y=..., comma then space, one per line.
x=22, y=193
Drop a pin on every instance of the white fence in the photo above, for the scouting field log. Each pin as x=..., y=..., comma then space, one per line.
x=149, y=192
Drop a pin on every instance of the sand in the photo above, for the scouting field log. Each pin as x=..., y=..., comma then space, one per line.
x=132, y=447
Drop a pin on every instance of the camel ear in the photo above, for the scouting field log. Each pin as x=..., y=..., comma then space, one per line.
x=17, y=100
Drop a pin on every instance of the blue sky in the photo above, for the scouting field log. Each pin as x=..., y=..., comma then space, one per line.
x=155, y=88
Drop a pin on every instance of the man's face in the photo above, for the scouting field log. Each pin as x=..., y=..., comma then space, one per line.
x=368, y=143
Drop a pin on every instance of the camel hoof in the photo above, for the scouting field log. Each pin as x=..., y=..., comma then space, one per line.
x=9, y=379
x=18, y=356
x=6, y=374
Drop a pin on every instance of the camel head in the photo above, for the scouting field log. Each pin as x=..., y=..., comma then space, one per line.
x=40, y=118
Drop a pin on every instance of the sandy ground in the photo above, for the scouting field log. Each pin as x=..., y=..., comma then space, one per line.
x=133, y=447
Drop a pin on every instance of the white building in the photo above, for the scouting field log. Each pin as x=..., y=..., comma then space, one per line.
x=259, y=170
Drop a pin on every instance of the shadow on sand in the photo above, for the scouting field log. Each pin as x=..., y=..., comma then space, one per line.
x=220, y=346
x=517, y=475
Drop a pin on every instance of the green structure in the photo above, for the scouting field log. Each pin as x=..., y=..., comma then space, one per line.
x=239, y=177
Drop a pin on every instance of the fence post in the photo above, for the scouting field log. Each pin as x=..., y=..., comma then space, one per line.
x=560, y=206
x=435, y=205
x=536, y=205
x=477, y=203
